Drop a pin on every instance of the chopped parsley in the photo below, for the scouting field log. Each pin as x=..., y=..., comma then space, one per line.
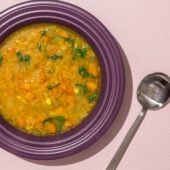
x=58, y=121
x=84, y=72
x=1, y=59
x=55, y=57
x=23, y=57
x=93, y=97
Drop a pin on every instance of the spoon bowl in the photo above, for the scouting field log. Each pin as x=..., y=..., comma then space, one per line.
x=154, y=91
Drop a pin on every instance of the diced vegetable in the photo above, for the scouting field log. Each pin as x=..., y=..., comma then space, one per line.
x=42, y=76
x=50, y=127
x=61, y=110
x=30, y=96
x=21, y=99
x=48, y=101
x=23, y=58
x=68, y=124
x=67, y=88
x=1, y=59
x=11, y=51
x=71, y=99
x=82, y=89
x=76, y=90
x=20, y=122
x=92, y=85
x=55, y=57
x=93, y=97
x=93, y=69
x=58, y=121
x=25, y=86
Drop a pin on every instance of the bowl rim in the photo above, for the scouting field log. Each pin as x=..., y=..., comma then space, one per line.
x=113, y=79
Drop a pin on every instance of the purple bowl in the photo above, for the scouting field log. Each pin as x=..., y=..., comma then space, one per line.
x=112, y=88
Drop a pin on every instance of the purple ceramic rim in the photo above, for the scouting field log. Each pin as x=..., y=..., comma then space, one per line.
x=112, y=88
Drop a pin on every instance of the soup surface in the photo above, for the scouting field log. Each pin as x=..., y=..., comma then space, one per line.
x=50, y=79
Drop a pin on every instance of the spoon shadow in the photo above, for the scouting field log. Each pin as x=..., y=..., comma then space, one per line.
x=109, y=135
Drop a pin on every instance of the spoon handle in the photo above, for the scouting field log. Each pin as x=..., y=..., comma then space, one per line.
x=123, y=147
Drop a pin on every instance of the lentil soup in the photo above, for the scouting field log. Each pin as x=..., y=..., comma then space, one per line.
x=50, y=79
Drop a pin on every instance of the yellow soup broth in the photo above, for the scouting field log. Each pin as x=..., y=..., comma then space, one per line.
x=50, y=79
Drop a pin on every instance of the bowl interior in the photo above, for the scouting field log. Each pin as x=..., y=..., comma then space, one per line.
x=102, y=89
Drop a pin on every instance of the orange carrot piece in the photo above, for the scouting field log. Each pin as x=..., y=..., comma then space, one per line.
x=30, y=96
x=25, y=86
x=50, y=128
x=42, y=77
x=91, y=85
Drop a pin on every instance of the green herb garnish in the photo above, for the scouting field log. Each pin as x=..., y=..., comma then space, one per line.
x=58, y=122
x=23, y=58
x=1, y=59
x=82, y=88
x=93, y=97
x=39, y=47
x=84, y=73
x=55, y=57
x=70, y=40
x=80, y=53
x=49, y=87
x=43, y=33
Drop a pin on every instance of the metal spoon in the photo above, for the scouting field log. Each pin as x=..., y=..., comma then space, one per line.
x=153, y=93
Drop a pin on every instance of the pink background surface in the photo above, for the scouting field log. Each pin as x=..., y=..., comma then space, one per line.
x=142, y=28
